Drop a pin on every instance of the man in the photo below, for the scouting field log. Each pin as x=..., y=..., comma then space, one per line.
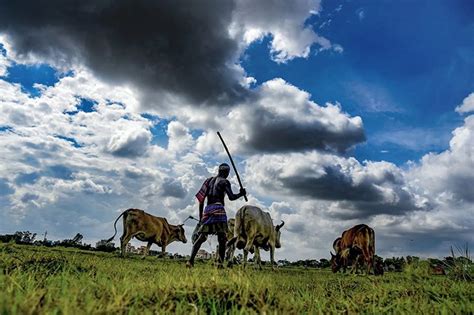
x=213, y=219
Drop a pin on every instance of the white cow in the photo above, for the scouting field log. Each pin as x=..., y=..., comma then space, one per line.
x=254, y=230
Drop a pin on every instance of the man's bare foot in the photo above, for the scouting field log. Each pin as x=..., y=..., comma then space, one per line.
x=189, y=264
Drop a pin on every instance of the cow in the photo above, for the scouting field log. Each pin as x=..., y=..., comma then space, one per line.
x=254, y=230
x=148, y=228
x=356, y=246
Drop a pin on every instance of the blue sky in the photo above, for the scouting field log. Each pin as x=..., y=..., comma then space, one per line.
x=405, y=65
x=352, y=111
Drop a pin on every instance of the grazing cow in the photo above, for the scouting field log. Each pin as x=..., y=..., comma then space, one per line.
x=356, y=246
x=148, y=228
x=343, y=253
x=254, y=230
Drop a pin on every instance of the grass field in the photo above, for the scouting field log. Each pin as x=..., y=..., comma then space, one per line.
x=36, y=280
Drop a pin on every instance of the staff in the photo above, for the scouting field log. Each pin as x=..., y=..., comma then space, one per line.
x=232, y=162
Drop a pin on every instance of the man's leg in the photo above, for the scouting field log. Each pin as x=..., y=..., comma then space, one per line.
x=222, y=239
x=201, y=239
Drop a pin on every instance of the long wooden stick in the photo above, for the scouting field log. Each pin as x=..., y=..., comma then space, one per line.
x=232, y=162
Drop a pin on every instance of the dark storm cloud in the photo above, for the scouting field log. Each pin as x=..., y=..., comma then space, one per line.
x=354, y=190
x=272, y=133
x=182, y=47
x=172, y=188
x=461, y=186
x=129, y=144
x=357, y=200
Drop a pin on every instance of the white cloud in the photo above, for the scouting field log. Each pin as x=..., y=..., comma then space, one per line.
x=49, y=180
x=467, y=104
x=179, y=138
x=284, y=21
x=449, y=175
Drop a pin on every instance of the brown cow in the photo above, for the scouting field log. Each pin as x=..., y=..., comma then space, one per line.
x=148, y=228
x=357, y=245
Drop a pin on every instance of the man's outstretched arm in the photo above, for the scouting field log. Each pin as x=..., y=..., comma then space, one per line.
x=231, y=195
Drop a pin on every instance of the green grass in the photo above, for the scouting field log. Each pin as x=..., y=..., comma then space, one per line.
x=36, y=280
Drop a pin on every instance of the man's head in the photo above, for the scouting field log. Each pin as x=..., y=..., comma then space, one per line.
x=224, y=170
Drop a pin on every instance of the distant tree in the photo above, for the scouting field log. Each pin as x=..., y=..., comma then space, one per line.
x=105, y=246
x=283, y=262
x=77, y=239
x=412, y=259
x=311, y=263
x=394, y=264
x=76, y=242
x=7, y=238
x=25, y=237
x=324, y=263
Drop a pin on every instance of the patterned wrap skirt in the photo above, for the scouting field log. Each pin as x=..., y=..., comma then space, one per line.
x=214, y=220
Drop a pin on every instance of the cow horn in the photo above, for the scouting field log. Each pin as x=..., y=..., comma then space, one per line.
x=278, y=227
x=332, y=255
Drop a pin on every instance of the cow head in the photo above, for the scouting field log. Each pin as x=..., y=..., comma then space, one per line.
x=180, y=234
x=278, y=233
x=336, y=262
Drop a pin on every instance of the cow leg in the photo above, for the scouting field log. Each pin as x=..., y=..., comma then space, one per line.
x=354, y=265
x=258, y=258
x=230, y=255
x=124, y=239
x=249, y=244
x=368, y=260
x=272, y=256
x=147, y=250
x=163, y=251
x=246, y=253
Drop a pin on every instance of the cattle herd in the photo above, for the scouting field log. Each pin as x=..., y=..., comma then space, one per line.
x=252, y=229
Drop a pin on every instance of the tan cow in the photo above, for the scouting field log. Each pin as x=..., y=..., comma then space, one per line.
x=254, y=230
x=148, y=228
x=357, y=245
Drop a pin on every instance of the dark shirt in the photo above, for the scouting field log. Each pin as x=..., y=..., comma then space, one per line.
x=218, y=187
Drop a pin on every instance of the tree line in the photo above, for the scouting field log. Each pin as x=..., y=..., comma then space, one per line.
x=394, y=264
x=29, y=238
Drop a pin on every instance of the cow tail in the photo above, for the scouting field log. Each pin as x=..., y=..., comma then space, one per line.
x=115, y=226
x=372, y=248
x=242, y=221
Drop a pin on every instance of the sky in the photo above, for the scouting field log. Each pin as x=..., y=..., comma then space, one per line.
x=336, y=112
